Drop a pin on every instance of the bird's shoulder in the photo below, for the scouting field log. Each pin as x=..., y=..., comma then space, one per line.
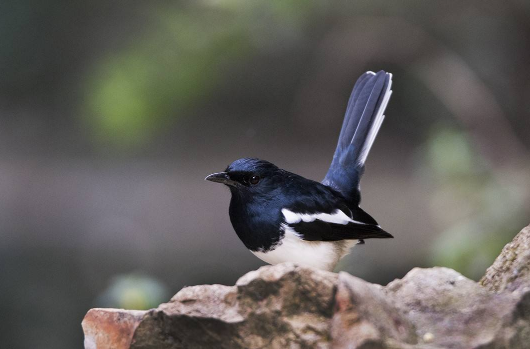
x=307, y=196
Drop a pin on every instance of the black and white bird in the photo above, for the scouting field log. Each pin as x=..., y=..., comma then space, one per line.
x=283, y=217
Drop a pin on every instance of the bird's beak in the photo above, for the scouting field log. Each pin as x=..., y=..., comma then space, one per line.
x=221, y=177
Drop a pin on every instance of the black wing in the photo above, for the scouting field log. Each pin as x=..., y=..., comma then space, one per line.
x=341, y=224
x=319, y=230
x=319, y=213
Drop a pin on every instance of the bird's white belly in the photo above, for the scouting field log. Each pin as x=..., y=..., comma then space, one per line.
x=317, y=254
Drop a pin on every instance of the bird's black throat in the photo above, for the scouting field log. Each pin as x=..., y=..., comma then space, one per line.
x=256, y=220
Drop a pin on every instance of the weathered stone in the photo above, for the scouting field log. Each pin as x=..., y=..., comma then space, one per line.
x=365, y=317
x=273, y=307
x=449, y=310
x=286, y=306
x=110, y=328
x=511, y=269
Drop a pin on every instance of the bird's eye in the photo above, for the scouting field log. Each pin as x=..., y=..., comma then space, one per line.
x=254, y=180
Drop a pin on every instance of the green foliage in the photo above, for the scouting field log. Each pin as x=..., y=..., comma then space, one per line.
x=138, y=91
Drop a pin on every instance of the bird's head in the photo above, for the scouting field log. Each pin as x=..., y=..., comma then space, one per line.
x=248, y=175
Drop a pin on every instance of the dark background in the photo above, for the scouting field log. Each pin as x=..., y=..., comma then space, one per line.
x=113, y=112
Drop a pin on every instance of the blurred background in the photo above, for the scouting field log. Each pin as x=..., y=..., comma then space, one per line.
x=113, y=112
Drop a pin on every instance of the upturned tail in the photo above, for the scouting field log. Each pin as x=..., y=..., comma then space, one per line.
x=364, y=116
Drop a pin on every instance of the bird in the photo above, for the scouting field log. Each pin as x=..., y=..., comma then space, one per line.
x=282, y=217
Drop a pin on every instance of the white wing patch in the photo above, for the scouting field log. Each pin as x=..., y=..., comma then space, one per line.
x=337, y=217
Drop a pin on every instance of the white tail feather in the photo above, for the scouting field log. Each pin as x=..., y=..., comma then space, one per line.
x=379, y=117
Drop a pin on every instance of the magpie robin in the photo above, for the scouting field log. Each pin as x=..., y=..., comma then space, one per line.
x=283, y=217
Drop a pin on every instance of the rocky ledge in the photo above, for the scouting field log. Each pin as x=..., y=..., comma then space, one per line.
x=286, y=306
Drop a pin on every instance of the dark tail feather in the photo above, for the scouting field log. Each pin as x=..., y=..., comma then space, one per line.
x=364, y=116
x=357, y=88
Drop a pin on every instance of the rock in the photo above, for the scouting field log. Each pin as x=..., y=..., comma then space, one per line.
x=110, y=328
x=365, y=317
x=274, y=307
x=451, y=311
x=511, y=270
x=286, y=306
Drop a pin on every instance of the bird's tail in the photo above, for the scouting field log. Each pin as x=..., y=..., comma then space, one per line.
x=364, y=116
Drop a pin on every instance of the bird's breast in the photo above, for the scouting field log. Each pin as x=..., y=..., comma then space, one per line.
x=322, y=255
